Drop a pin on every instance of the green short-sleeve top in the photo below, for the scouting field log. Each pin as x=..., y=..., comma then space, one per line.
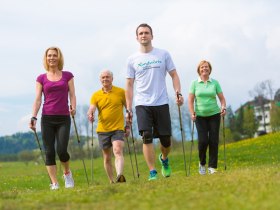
x=205, y=96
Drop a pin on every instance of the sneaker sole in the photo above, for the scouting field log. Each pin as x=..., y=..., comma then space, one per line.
x=69, y=186
x=165, y=175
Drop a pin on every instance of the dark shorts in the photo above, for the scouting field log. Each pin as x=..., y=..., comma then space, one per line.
x=155, y=119
x=106, y=138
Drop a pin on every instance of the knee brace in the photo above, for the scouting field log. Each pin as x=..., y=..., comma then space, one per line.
x=147, y=137
x=165, y=141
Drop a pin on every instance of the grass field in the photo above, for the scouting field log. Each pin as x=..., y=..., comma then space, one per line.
x=251, y=181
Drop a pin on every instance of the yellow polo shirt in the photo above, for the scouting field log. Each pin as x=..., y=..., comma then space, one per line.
x=110, y=109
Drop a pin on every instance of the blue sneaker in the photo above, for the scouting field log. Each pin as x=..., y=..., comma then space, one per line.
x=153, y=175
x=165, y=168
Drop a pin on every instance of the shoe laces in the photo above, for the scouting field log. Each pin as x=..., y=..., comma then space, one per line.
x=202, y=168
x=68, y=178
x=165, y=163
x=153, y=173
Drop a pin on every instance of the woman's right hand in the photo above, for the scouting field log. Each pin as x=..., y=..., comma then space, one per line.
x=32, y=123
x=193, y=116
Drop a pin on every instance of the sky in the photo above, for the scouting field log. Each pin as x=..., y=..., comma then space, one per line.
x=240, y=38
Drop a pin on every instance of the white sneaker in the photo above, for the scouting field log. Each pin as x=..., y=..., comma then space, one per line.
x=212, y=170
x=69, y=182
x=202, y=169
x=54, y=186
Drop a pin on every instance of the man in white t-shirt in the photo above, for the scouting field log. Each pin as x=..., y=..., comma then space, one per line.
x=147, y=70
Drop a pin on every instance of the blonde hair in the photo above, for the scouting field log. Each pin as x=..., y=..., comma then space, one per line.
x=203, y=62
x=59, y=57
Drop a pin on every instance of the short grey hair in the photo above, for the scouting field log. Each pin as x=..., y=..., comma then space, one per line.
x=107, y=71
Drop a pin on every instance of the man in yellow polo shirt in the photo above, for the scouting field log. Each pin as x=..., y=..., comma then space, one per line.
x=110, y=102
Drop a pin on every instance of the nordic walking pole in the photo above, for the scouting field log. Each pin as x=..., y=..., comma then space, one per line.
x=182, y=134
x=130, y=157
x=191, y=150
x=224, y=136
x=78, y=139
x=92, y=152
x=39, y=145
x=36, y=136
x=131, y=130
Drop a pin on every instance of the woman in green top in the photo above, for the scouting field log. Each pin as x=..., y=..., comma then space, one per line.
x=206, y=113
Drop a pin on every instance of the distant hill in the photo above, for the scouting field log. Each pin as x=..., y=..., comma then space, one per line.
x=17, y=142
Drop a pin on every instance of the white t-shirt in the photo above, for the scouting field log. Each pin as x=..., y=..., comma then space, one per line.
x=149, y=72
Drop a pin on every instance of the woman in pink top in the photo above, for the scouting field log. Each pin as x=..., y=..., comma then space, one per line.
x=56, y=86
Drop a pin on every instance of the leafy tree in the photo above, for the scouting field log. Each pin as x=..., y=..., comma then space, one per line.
x=230, y=119
x=26, y=156
x=238, y=125
x=229, y=137
x=275, y=117
x=250, y=124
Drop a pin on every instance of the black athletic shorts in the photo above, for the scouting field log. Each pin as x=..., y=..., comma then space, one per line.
x=155, y=119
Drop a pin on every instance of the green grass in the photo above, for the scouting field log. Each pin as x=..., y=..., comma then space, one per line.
x=251, y=181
